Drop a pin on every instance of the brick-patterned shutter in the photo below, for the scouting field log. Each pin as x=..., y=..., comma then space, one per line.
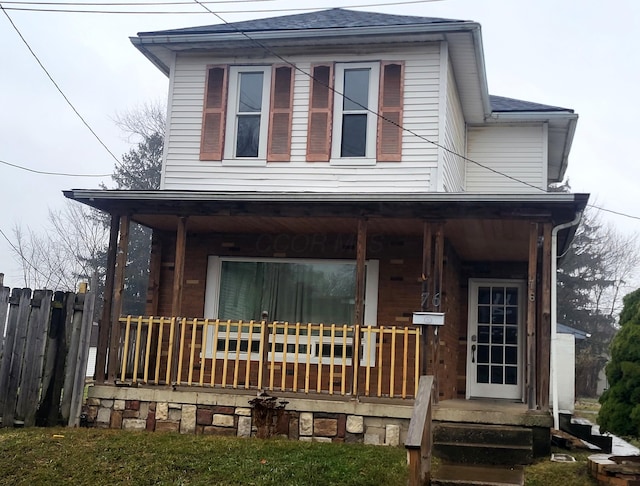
x=320, y=114
x=389, y=144
x=213, y=115
x=281, y=113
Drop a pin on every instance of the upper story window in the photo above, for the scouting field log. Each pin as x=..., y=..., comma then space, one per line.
x=247, y=117
x=364, y=125
x=247, y=113
x=354, y=117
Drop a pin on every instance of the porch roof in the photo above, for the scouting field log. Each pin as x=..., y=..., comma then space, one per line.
x=556, y=207
x=478, y=224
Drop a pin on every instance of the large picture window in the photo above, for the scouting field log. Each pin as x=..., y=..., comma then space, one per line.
x=288, y=290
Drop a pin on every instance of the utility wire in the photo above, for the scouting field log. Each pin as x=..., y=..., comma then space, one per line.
x=203, y=4
x=379, y=115
x=107, y=4
x=118, y=164
x=178, y=12
x=56, y=84
x=64, y=174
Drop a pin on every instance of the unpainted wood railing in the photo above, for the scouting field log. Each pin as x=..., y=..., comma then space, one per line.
x=303, y=358
x=419, y=440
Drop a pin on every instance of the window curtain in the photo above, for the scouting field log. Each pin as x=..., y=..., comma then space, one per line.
x=293, y=292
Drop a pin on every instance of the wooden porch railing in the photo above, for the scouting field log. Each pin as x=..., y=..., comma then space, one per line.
x=419, y=440
x=301, y=358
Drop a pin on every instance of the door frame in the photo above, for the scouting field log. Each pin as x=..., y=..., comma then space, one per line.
x=474, y=284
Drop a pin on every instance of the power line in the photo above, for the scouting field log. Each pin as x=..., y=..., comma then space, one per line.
x=618, y=213
x=178, y=12
x=156, y=3
x=379, y=115
x=63, y=174
x=203, y=4
x=56, y=84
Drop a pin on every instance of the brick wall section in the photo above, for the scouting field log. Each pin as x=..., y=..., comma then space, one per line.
x=399, y=287
x=239, y=421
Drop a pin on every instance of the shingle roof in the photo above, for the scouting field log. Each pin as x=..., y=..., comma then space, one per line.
x=335, y=18
x=502, y=104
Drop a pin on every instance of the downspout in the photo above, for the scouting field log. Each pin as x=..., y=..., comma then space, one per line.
x=554, y=313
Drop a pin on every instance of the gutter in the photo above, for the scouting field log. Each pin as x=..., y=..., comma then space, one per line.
x=449, y=197
x=532, y=116
x=554, y=313
x=482, y=72
x=298, y=34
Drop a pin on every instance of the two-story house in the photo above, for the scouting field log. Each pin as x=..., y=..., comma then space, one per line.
x=325, y=176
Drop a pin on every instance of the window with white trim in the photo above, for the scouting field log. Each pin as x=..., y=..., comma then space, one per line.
x=289, y=290
x=248, y=113
x=354, y=119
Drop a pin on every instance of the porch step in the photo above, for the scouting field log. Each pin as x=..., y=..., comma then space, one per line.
x=465, y=443
x=457, y=475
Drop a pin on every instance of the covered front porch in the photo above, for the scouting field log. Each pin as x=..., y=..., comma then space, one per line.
x=482, y=260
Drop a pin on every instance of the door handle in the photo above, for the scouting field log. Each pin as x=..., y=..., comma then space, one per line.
x=473, y=353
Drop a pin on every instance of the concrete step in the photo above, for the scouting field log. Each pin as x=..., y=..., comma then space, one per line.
x=458, y=475
x=483, y=444
x=482, y=434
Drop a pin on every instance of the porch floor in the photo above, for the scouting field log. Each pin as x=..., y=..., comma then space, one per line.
x=491, y=411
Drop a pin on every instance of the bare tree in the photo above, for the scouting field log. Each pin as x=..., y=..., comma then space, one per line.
x=142, y=122
x=598, y=269
x=69, y=249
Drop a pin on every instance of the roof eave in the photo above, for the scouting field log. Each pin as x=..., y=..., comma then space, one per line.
x=177, y=39
x=146, y=43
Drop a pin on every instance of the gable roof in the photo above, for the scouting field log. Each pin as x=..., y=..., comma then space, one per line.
x=511, y=105
x=335, y=18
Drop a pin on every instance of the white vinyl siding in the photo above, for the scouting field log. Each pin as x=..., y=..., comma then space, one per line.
x=184, y=171
x=518, y=151
x=453, y=166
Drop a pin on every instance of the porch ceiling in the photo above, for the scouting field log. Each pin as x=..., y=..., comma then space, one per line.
x=480, y=227
x=473, y=239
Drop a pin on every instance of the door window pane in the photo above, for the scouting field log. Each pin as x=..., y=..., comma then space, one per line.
x=496, y=354
x=483, y=314
x=497, y=335
x=512, y=335
x=483, y=374
x=511, y=375
x=511, y=355
x=497, y=295
x=483, y=334
x=484, y=295
x=496, y=375
x=483, y=354
x=511, y=296
x=511, y=315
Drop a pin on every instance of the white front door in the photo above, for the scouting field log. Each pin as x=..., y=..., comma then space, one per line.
x=495, y=339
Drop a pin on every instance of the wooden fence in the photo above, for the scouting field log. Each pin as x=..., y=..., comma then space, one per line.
x=299, y=358
x=44, y=346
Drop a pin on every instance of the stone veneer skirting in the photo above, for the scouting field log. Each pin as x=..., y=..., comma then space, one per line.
x=223, y=413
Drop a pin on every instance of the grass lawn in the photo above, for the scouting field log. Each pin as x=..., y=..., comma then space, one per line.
x=105, y=457
x=108, y=457
x=547, y=473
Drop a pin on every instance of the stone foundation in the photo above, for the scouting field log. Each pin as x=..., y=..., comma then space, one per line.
x=217, y=414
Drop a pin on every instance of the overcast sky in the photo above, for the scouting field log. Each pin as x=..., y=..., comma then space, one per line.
x=578, y=54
